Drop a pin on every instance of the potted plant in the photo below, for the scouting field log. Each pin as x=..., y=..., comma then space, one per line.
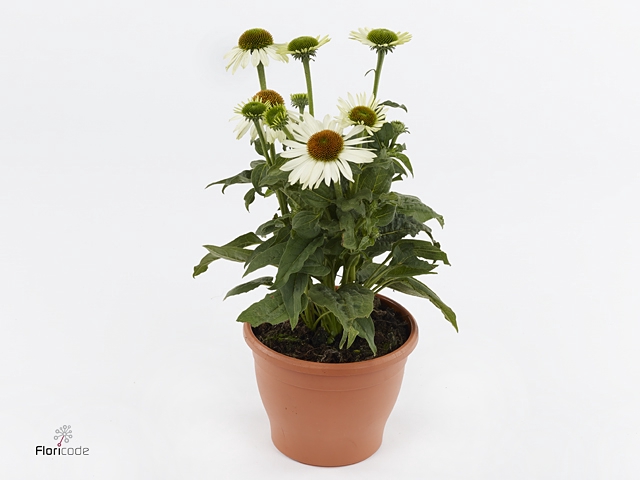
x=329, y=349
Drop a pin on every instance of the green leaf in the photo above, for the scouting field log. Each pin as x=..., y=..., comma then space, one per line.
x=384, y=215
x=349, y=302
x=366, y=330
x=235, y=254
x=293, y=295
x=365, y=242
x=256, y=176
x=348, y=335
x=347, y=225
x=411, y=286
x=295, y=254
x=271, y=226
x=270, y=309
x=305, y=223
x=242, y=177
x=269, y=255
x=249, y=197
x=413, y=207
x=356, y=202
x=242, y=241
x=389, y=103
x=314, y=265
x=404, y=159
x=399, y=271
x=400, y=227
x=247, y=287
x=385, y=134
x=272, y=176
x=377, y=179
x=320, y=197
x=417, y=248
x=203, y=266
x=258, y=146
x=366, y=270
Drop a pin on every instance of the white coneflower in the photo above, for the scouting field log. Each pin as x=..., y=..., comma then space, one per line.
x=246, y=114
x=380, y=38
x=276, y=120
x=255, y=45
x=303, y=46
x=362, y=111
x=321, y=152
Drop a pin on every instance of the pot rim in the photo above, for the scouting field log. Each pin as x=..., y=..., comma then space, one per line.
x=339, y=369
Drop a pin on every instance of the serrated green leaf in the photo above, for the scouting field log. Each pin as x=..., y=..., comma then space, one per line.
x=389, y=103
x=295, y=254
x=366, y=270
x=203, y=266
x=413, y=207
x=348, y=336
x=404, y=159
x=251, y=285
x=258, y=146
x=235, y=254
x=355, y=203
x=399, y=271
x=400, y=227
x=271, y=226
x=305, y=223
x=242, y=177
x=404, y=249
x=385, y=134
x=314, y=265
x=384, y=215
x=244, y=240
x=411, y=286
x=349, y=302
x=256, y=177
x=320, y=197
x=366, y=330
x=265, y=255
x=249, y=197
x=377, y=179
x=270, y=309
x=347, y=225
x=293, y=295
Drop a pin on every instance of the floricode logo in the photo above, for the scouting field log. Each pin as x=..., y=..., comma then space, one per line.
x=63, y=434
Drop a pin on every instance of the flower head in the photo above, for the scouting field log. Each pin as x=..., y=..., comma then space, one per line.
x=304, y=46
x=270, y=97
x=362, y=111
x=380, y=39
x=321, y=152
x=299, y=100
x=255, y=45
x=245, y=114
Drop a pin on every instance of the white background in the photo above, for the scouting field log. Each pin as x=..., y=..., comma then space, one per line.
x=524, y=120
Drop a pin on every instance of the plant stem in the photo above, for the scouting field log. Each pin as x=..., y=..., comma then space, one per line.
x=307, y=74
x=289, y=135
x=376, y=81
x=374, y=276
x=261, y=76
x=263, y=140
x=282, y=200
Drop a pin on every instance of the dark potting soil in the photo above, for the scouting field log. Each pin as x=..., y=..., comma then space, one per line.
x=302, y=343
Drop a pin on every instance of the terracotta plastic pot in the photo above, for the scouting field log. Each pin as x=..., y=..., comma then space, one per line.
x=330, y=414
